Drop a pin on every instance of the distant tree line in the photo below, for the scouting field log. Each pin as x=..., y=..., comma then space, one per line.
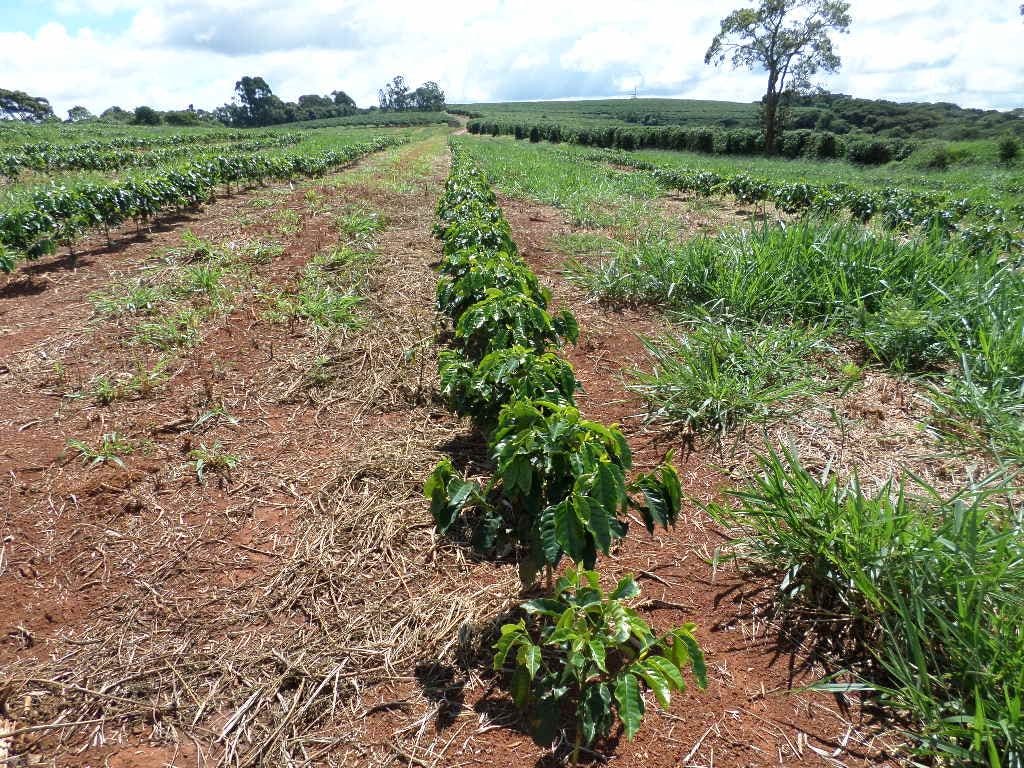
x=254, y=105
x=397, y=97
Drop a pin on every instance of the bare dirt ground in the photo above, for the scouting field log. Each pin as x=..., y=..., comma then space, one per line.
x=298, y=609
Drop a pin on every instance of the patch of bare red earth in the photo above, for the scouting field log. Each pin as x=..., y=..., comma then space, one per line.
x=62, y=524
x=753, y=713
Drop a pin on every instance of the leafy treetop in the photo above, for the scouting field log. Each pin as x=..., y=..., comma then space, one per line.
x=790, y=39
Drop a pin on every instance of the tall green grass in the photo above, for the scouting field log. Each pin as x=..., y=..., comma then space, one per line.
x=722, y=372
x=592, y=195
x=917, y=306
x=924, y=595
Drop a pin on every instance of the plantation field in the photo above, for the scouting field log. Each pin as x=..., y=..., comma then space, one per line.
x=622, y=111
x=382, y=446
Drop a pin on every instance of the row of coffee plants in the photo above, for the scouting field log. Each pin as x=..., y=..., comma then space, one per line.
x=981, y=224
x=734, y=141
x=62, y=157
x=145, y=142
x=560, y=486
x=59, y=215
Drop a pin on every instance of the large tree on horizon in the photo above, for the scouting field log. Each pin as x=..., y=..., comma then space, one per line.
x=790, y=39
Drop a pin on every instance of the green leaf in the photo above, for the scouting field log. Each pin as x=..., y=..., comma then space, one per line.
x=596, y=520
x=569, y=531
x=625, y=589
x=518, y=476
x=549, y=536
x=544, y=606
x=598, y=653
x=700, y=670
x=510, y=635
x=520, y=689
x=669, y=671
x=608, y=488
x=656, y=681
x=618, y=623
x=631, y=703
x=529, y=658
x=594, y=712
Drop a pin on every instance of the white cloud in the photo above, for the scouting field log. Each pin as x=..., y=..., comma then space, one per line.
x=176, y=52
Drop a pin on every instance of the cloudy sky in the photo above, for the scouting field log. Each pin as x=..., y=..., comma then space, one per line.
x=169, y=53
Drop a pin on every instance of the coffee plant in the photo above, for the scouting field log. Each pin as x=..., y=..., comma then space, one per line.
x=587, y=651
x=561, y=484
x=59, y=215
x=517, y=373
x=501, y=320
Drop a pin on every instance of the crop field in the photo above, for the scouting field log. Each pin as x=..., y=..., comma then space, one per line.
x=352, y=444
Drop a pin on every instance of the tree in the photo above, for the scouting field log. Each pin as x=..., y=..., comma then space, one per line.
x=1009, y=148
x=146, y=116
x=343, y=100
x=18, y=105
x=182, y=117
x=787, y=38
x=395, y=95
x=115, y=115
x=78, y=114
x=314, y=107
x=428, y=97
x=258, y=104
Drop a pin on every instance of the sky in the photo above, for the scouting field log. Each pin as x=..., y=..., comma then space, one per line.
x=172, y=53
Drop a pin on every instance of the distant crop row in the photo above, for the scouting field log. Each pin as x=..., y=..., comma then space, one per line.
x=981, y=224
x=560, y=487
x=47, y=157
x=59, y=215
x=147, y=142
x=378, y=118
x=721, y=141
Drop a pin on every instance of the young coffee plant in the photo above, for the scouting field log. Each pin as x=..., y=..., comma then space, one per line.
x=480, y=391
x=456, y=294
x=586, y=651
x=560, y=487
x=503, y=320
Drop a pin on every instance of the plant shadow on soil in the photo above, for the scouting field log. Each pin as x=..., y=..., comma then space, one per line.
x=96, y=246
x=807, y=650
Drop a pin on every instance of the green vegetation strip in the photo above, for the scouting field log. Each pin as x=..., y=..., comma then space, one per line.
x=46, y=157
x=923, y=306
x=980, y=223
x=59, y=215
x=719, y=141
x=560, y=486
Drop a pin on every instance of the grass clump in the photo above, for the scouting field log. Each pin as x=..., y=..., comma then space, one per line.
x=320, y=299
x=920, y=306
x=133, y=297
x=723, y=372
x=361, y=225
x=107, y=389
x=177, y=331
x=214, y=459
x=112, y=448
x=921, y=593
